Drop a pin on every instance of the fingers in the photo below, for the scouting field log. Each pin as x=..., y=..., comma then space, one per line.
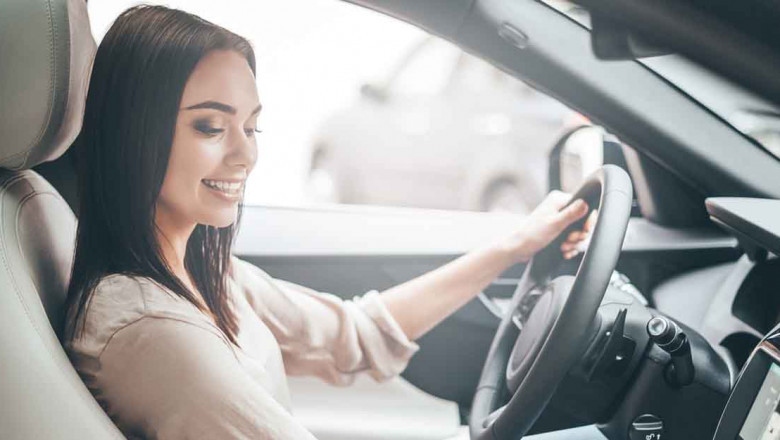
x=577, y=235
x=573, y=244
x=552, y=216
x=568, y=248
x=571, y=249
x=557, y=199
x=590, y=223
x=571, y=254
x=571, y=213
x=569, y=245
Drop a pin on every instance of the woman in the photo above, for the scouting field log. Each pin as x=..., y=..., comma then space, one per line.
x=174, y=336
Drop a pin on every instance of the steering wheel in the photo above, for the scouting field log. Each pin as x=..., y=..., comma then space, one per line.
x=546, y=329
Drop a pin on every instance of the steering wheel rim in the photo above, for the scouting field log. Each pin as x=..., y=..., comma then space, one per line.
x=577, y=306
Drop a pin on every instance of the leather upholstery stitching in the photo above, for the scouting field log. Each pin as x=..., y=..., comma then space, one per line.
x=12, y=179
x=18, y=223
x=18, y=292
x=8, y=268
x=52, y=31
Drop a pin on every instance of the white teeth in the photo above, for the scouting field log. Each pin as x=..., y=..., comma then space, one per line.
x=232, y=188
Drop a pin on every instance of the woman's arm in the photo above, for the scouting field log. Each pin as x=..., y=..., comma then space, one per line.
x=323, y=335
x=421, y=303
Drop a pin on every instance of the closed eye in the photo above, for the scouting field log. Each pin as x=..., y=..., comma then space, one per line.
x=207, y=129
x=251, y=131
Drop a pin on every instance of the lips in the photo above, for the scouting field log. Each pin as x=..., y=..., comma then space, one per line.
x=231, y=188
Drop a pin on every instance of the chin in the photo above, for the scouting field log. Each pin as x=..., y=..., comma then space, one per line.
x=221, y=220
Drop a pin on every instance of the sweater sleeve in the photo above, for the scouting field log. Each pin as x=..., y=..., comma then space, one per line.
x=322, y=335
x=172, y=379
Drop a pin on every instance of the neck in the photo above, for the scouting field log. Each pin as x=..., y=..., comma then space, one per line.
x=173, y=236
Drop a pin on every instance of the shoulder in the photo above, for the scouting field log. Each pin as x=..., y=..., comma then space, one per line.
x=248, y=277
x=254, y=284
x=242, y=271
x=116, y=300
x=119, y=301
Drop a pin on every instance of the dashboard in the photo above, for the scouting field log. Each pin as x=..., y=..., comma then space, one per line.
x=732, y=304
x=747, y=306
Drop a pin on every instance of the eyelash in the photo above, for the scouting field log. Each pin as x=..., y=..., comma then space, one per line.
x=209, y=131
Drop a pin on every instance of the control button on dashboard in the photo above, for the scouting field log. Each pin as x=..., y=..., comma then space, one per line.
x=647, y=427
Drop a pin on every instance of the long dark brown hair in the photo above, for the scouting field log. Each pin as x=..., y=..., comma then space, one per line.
x=122, y=153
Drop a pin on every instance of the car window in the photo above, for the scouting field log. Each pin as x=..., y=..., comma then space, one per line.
x=427, y=70
x=397, y=117
x=477, y=76
x=750, y=114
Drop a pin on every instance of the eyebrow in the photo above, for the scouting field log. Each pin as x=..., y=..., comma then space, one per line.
x=221, y=107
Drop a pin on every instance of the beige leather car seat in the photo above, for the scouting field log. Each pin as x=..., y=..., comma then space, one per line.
x=46, y=49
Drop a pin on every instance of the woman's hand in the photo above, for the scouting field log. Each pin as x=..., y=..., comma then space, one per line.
x=545, y=223
x=578, y=240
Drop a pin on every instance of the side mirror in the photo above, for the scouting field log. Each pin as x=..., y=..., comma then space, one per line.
x=373, y=92
x=578, y=153
x=575, y=155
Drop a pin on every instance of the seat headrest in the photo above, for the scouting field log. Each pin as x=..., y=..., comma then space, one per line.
x=46, y=53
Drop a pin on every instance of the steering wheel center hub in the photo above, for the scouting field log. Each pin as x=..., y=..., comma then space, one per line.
x=535, y=316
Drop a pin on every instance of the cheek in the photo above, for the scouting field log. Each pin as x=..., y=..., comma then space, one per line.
x=191, y=160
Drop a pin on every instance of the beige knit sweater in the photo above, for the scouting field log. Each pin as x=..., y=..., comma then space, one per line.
x=162, y=369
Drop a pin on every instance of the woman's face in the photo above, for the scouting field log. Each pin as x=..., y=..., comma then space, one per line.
x=214, y=147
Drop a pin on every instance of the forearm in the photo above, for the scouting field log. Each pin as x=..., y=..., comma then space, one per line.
x=421, y=303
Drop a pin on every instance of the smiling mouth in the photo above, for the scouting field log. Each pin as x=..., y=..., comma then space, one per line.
x=232, y=189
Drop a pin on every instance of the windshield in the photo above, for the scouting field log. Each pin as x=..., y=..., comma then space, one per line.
x=747, y=112
x=742, y=109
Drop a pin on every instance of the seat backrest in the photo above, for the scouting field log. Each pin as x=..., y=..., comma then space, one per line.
x=46, y=49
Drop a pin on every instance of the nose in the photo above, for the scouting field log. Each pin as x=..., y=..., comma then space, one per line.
x=242, y=152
